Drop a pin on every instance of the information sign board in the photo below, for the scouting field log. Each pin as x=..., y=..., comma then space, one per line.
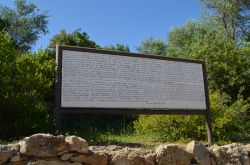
x=100, y=81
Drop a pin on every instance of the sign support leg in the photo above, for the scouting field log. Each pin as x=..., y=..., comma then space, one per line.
x=58, y=122
x=209, y=129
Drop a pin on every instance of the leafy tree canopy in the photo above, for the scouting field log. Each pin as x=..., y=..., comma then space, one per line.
x=76, y=38
x=232, y=15
x=118, y=47
x=228, y=66
x=24, y=23
x=181, y=40
x=152, y=46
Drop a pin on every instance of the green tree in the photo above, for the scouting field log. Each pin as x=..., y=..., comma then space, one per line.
x=232, y=15
x=229, y=122
x=3, y=24
x=24, y=23
x=152, y=46
x=26, y=90
x=118, y=47
x=227, y=65
x=7, y=63
x=181, y=39
x=222, y=44
x=76, y=38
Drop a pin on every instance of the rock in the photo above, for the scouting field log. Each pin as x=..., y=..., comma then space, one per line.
x=213, y=162
x=18, y=158
x=150, y=158
x=119, y=156
x=7, y=151
x=126, y=156
x=129, y=156
x=247, y=147
x=109, y=148
x=94, y=159
x=77, y=144
x=80, y=158
x=140, y=159
x=199, y=153
x=234, y=154
x=43, y=145
x=210, y=149
x=114, y=148
x=172, y=154
x=52, y=162
x=66, y=156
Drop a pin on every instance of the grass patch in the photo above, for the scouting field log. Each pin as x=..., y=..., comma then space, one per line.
x=4, y=142
x=132, y=140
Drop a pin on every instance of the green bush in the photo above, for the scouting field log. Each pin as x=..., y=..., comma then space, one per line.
x=172, y=127
x=230, y=122
x=26, y=91
x=93, y=126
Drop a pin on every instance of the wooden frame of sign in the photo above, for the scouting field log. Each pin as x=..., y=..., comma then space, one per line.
x=111, y=82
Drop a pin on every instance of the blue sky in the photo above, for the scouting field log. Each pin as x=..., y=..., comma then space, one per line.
x=108, y=22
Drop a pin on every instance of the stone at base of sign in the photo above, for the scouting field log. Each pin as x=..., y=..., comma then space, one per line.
x=115, y=155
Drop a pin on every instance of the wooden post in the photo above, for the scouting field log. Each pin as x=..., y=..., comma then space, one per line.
x=58, y=121
x=208, y=113
x=209, y=129
x=57, y=113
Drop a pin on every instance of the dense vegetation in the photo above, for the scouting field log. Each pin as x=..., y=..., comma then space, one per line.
x=221, y=37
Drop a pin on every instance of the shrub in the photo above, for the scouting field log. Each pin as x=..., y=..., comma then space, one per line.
x=26, y=91
x=230, y=121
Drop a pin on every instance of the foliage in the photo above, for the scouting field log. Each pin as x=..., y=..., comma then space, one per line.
x=3, y=24
x=76, y=38
x=152, y=46
x=230, y=119
x=118, y=47
x=172, y=127
x=181, y=40
x=215, y=39
x=97, y=126
x=26, y=91
x=220, y=39
x=7, y=60
x=24, y=23
x=232, y=15
x=229, y=122
x=227, y=65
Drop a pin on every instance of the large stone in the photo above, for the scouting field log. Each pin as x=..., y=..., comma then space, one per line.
x=66, y=156
x=126, y=156
x=18, y=160
x=7, y=151
x=43, y=145
x=140, y=159
x=129, y=156
x=150, y=158
x=247, y=147
x=199, y=153
x=232, y=154
x=172, y=154
x=52, y=162
x=93, y=159
x=109, y=148
x=119, y=156
x=77, y=144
